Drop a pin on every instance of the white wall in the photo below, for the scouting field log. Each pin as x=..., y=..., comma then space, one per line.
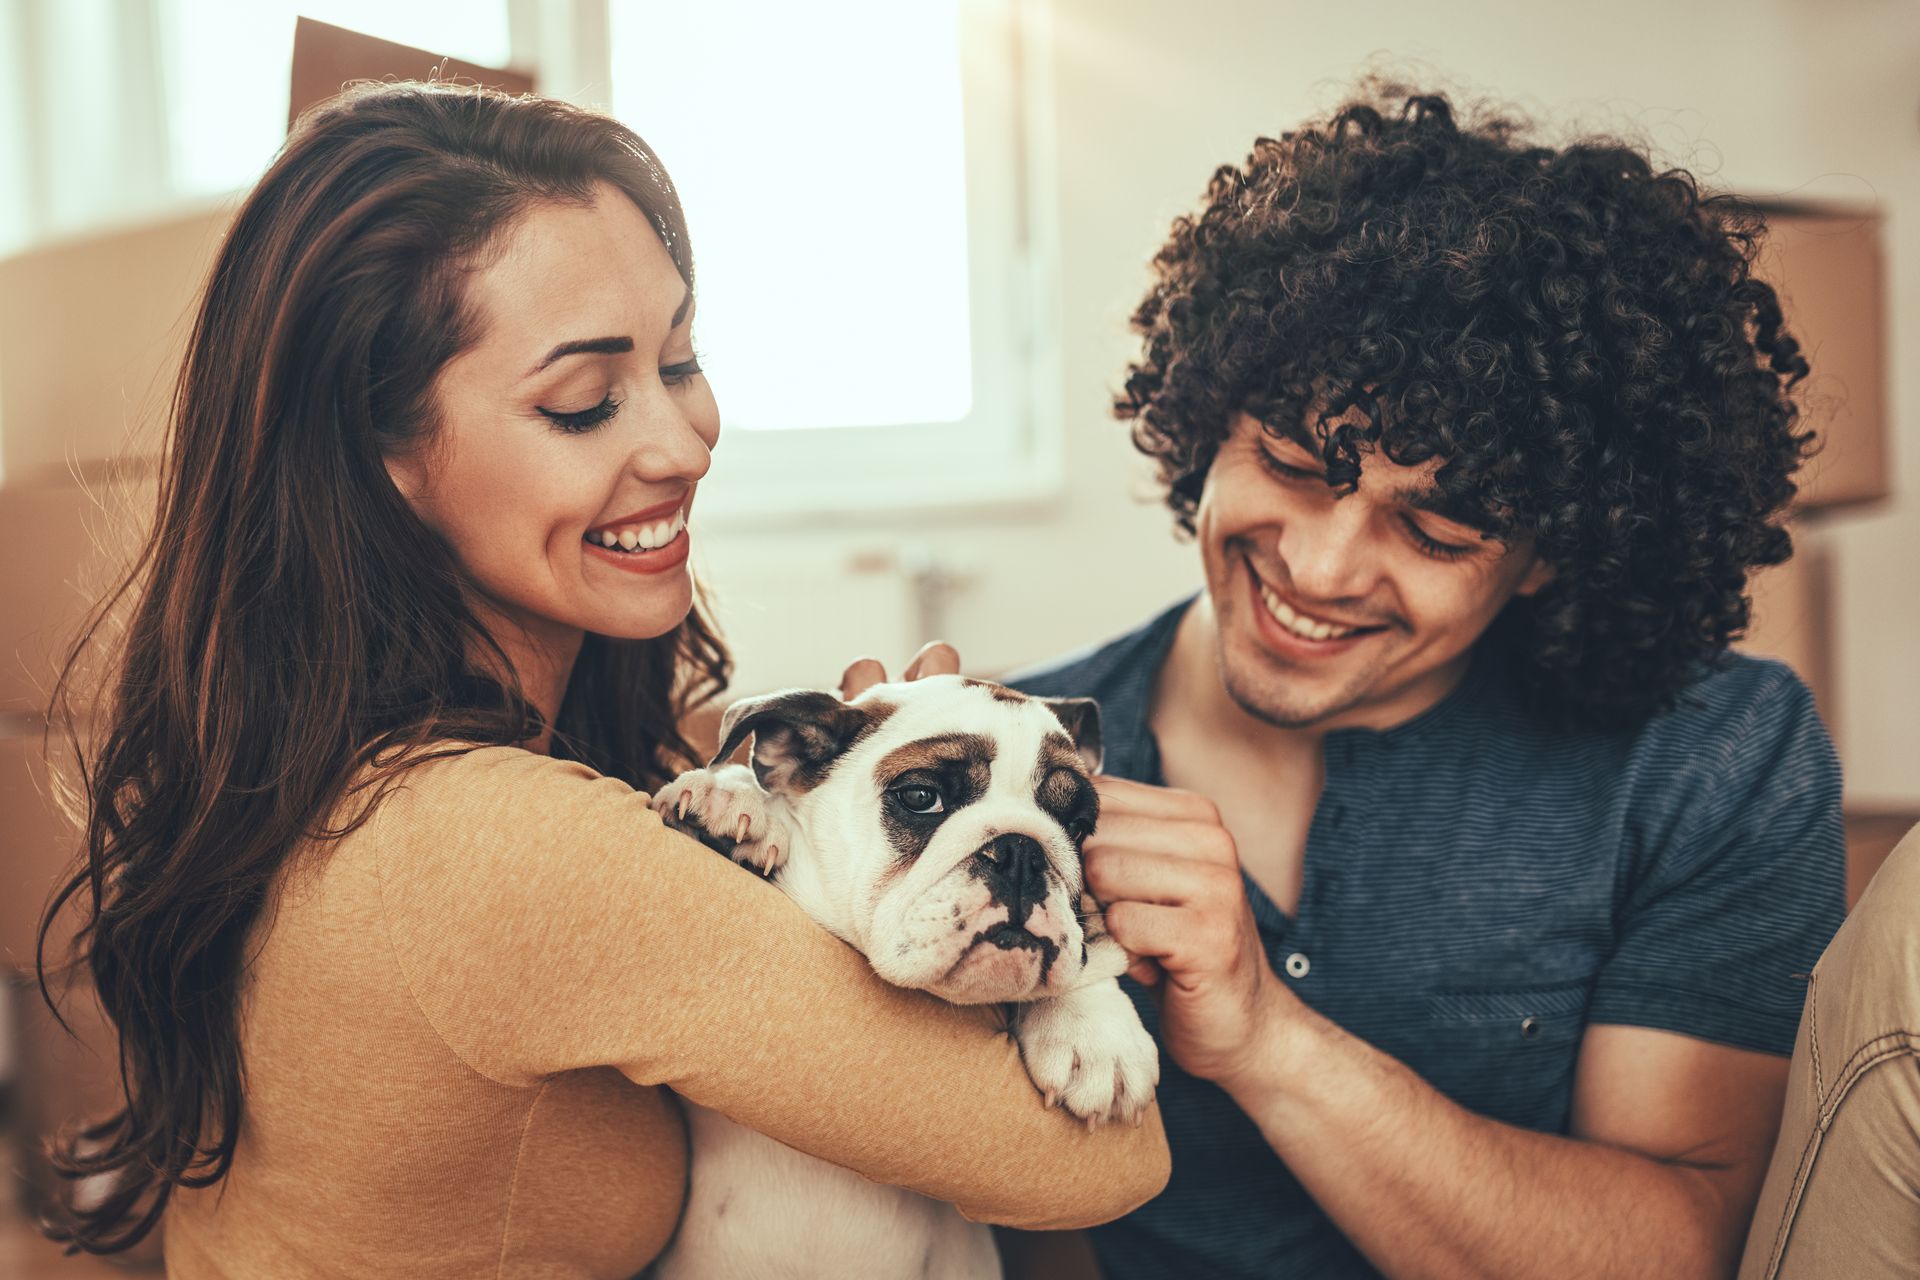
x=1766, y=96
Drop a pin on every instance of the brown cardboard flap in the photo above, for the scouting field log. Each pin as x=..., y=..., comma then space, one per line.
x=327, y=58
x=1827, y=266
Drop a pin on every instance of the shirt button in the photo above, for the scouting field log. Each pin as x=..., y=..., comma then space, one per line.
x=1529, y=1027
x=1298, y=964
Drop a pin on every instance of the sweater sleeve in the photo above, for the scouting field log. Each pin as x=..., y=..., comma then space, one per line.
x=545, y=921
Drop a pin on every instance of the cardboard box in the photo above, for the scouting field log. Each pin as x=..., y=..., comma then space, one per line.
x=1828, y=268
x=1792, y=609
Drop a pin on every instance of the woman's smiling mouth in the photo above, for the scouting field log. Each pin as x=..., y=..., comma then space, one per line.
x=650, y=541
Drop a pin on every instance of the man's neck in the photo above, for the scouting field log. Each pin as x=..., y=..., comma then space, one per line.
x=1265, y=779
x=1191, y=693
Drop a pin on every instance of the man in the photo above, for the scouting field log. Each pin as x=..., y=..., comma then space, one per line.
x=1475, y=882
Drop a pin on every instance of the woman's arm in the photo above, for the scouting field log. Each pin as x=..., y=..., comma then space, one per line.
x=546, y=921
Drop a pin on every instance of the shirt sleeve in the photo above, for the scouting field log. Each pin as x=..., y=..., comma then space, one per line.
x=546, y=921
x=1735, y=872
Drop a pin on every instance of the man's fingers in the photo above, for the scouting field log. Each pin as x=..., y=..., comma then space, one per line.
x=1152, y=931
x=1146, y=972
x=861, y=676
x=1139, y=875
x=937, y=658
x=1192, y=839
x=1122, y=795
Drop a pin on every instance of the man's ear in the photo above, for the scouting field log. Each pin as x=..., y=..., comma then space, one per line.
x=1538, y=575
x=797, y=735
x=1080, y=717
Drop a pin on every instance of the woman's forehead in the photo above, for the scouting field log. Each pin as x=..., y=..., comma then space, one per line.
x=576, y=271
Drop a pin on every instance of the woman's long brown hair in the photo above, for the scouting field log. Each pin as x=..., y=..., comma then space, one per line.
x=295, y=637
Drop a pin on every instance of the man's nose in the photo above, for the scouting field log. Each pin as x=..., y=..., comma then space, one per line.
x=1017, y=874
x=1328, y=554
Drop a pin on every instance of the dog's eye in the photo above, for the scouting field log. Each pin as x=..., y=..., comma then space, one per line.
x=918, y=799
x=1079, y=829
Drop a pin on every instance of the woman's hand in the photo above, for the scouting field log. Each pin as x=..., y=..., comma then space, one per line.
x=937, y=658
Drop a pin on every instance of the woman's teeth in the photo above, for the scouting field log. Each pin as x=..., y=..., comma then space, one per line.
x=1301, y=625
x=641, y=537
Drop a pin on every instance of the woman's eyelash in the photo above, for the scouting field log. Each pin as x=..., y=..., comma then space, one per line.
x=586, y=419
x=675, y=374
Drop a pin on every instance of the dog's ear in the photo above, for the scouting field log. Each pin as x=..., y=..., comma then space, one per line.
x=797, y=735
x=1080, y=717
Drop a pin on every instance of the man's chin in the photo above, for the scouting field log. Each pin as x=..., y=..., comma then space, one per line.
x=1284, y=698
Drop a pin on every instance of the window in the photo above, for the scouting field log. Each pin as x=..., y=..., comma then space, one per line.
x=856, y=175
x=852, y=172
x=225, y=67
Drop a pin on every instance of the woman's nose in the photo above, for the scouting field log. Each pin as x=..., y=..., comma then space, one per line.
x=670, y=446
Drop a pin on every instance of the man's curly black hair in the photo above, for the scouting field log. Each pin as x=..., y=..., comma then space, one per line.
x=1578, y=338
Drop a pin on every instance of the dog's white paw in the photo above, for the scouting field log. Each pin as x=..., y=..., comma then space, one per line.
x=1088, y=1052
x=726, y=810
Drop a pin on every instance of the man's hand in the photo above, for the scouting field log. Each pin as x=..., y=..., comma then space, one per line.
x=1170, y=876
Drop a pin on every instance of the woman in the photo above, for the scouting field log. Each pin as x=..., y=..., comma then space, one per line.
x=402, y=964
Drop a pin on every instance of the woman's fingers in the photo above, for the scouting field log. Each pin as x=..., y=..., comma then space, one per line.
x=936, y=658
x=862, y=675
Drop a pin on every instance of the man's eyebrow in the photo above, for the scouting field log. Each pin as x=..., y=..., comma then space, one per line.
x=1432, y=500
x=607, y=346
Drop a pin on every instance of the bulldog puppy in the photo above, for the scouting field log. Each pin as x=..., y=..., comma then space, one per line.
x=934, y=825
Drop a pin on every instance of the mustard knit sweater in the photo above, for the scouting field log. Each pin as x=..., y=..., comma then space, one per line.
x=461, y=1023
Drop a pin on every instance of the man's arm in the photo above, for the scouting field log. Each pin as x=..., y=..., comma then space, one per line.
x=1671, y=1137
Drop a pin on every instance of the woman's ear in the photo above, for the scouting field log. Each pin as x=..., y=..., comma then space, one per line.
x=408, y=473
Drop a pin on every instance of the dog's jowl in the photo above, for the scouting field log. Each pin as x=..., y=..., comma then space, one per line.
x=935, y=826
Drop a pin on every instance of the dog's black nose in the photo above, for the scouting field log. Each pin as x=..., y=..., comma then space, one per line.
x=1017, y=875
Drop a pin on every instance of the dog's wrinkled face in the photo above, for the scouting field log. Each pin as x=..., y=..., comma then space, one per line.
x=939, y=826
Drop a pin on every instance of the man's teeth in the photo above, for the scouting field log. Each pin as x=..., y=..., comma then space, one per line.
x=1301, y=625
x=641, y=537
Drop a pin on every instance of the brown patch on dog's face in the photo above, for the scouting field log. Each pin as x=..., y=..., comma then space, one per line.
x=998, y=692
x=925, y=782
x=1062, y=788
x=798, y=736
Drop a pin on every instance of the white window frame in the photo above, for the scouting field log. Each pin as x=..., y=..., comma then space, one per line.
x=1009, y=451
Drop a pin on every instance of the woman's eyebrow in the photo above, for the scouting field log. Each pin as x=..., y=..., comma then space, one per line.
x=584, y=346
x=607, y=346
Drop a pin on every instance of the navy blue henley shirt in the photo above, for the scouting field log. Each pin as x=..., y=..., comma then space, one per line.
x=1479, y=888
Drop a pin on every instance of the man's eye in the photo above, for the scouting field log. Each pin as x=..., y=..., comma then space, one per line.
x=1288, y=471
x=918, y=799
x=1433, y=547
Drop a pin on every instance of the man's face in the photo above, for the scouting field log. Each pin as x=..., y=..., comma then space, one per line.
x=1343, y=611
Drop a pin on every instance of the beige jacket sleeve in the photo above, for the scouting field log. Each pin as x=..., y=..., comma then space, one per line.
x=545, y=920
